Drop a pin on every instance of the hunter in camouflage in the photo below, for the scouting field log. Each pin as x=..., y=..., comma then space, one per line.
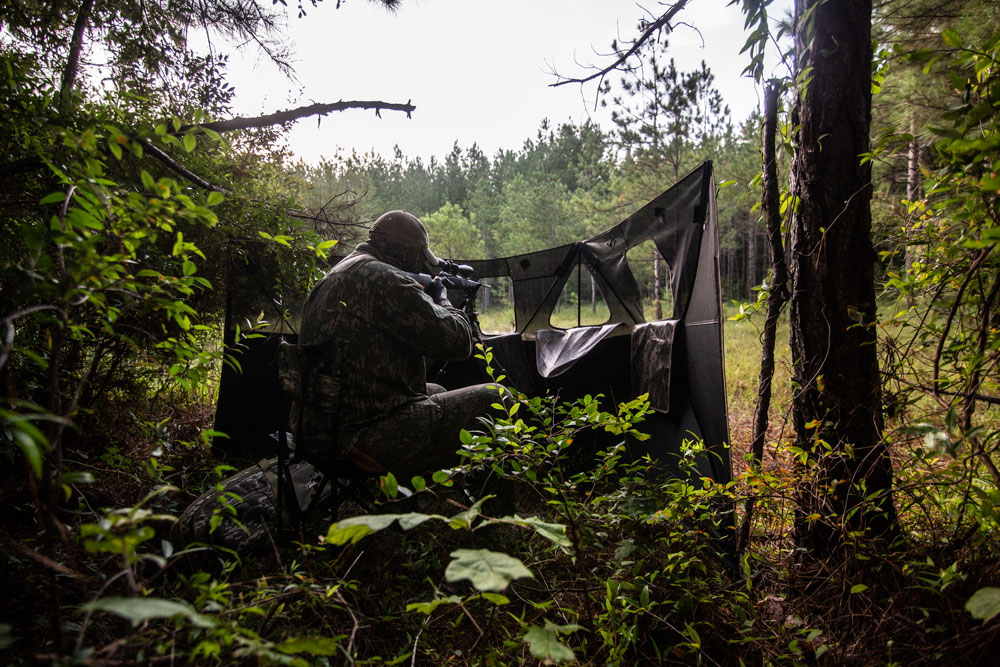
x=379, y=324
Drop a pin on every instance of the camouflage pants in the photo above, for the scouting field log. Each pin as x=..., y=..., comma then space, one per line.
x=423, y=436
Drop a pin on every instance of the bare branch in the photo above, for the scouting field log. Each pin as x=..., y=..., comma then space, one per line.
x=179, y=168
x=241, y=123
x=650, y=30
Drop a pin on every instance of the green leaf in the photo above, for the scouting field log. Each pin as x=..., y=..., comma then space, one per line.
x=32, y=444
x=414, y=519
x=951, y=38
x=76, y=477
x=984, y=604
x=215, y=197
x=429, y=607
x=544, y=643
x=53, y=198
x=310, y=645
x=555, y=532
x=354, y=528
x=389, y=485
x=326, y=245
x=858, y=588
x=495, y=598
x=625, y=549
x=190, y=142
x=487, y=570
x=138, y=610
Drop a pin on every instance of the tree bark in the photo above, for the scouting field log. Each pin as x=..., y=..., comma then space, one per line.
x=837, y=408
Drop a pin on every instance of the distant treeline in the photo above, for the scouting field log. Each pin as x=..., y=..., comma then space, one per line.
x=567, y=183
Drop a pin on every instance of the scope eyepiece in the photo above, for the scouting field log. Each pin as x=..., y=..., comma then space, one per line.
x=449, y=266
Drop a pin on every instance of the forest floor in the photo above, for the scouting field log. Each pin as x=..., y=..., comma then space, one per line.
x=355, y=604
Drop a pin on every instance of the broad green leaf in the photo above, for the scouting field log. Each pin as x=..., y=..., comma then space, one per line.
x=431, y=605
x=354, y=528
x=544, y=644
x=984, y=604
x=487, y=570
x=215, y=197
x=858, y=588
x=555, y=532
x=414, y=519
x=138, y=610
x=951, y=38
x=625, y=549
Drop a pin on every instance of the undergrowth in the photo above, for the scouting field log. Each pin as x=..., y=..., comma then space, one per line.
x=552, y=542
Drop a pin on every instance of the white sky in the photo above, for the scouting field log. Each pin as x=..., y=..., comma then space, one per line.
x=477, y=70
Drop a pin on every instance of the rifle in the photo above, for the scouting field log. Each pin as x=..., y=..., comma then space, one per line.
x=457, y=277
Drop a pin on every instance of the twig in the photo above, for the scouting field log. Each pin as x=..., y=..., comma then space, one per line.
x=973, y=268
x=463, y=608
x=44, y=560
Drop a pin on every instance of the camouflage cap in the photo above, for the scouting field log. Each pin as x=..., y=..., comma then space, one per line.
x=402, y=240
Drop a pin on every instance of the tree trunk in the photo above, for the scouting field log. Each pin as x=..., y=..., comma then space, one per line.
x=593, y=294
x=777, y=296
x=912, y=192
x=75, y=46
x=837, y=408
x=751, y=260
x=657, y=308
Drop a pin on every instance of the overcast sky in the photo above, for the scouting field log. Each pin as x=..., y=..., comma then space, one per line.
x=478, y=71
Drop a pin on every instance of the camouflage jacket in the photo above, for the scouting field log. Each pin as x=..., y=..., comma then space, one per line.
x=384, y=325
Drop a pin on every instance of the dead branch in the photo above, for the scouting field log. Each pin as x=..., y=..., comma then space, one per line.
x=179, y=168
x=245, y=123
x=650, y=30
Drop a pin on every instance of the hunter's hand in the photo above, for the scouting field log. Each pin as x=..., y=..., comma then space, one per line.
x=437, y=292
